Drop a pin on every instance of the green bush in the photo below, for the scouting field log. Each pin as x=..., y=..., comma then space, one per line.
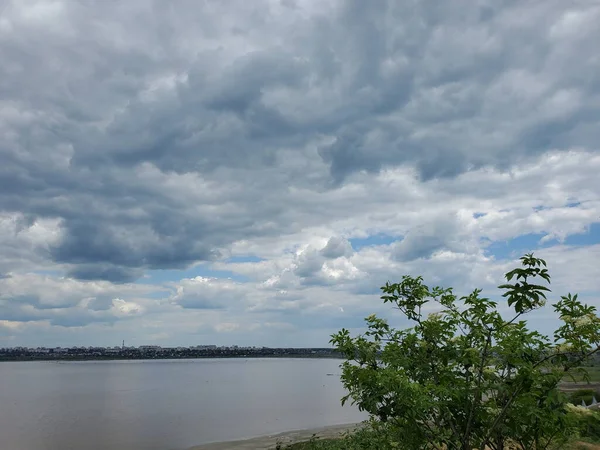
x=585, y=423
x=586, y=395
x=467, y=376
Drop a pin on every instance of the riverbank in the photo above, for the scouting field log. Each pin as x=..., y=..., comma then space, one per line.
x=162, y=353
x=270, y=441
x=326, y=433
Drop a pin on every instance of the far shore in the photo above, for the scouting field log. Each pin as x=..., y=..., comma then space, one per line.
x=289, y=437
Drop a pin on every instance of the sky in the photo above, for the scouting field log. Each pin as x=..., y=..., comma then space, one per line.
x=251, y=173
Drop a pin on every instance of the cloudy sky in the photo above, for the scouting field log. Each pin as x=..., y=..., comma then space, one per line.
x=233, y=172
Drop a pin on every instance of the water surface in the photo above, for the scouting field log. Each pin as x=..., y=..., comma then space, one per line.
x=165, y=404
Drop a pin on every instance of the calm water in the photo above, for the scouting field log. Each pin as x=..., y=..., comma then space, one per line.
x=135, y=405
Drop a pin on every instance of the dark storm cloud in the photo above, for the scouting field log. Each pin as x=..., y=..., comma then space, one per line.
x=92, y=92
x=124, y=246
x=114, y=274
x=217, y=117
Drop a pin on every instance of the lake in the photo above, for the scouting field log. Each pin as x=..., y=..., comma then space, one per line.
x=164, y=404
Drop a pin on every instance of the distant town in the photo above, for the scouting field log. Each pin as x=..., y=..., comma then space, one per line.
x=158, y=352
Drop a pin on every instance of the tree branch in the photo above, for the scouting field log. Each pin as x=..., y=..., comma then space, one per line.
x=477, y=399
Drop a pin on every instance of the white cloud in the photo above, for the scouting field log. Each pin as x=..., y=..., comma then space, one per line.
x=125, y=308
x=11, y=325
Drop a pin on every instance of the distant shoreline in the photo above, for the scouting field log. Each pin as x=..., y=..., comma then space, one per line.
x=77, y=358
x=145, y=352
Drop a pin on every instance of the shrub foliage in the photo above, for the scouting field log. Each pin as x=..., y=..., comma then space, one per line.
x=466, y=377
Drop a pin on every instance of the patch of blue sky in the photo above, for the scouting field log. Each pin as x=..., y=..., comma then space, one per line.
x=589, y=237
x=572, y=204
x=541, y=208
x=372, y=241
x=531, y=242
x=518, y=246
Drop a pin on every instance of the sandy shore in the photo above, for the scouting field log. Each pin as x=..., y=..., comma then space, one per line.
x=270, y=441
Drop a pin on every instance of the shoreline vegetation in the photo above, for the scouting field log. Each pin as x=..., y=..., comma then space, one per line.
x=154, y=352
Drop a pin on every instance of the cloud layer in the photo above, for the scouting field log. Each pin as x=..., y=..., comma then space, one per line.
x=252, y=172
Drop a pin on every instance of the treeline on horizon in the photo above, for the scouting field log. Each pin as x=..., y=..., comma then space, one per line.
x=79, y=354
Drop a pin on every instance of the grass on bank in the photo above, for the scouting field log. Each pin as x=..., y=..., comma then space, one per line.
x=360, y=439
x=337, y=444
x=349, y=443
x=593, y=373
x=584, y=435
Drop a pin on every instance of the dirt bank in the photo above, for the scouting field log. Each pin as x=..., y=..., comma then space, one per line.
x=270, y=441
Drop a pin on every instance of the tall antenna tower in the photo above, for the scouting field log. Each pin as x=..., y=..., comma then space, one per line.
x=123, y=344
